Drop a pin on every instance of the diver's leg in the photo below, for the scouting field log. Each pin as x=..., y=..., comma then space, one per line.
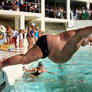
x=80, y=43
x=80, y=37
x=84, y=32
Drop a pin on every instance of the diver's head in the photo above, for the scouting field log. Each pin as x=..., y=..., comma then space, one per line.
x=40, y=64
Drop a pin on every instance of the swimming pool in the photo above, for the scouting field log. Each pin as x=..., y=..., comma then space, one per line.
x=73, y=76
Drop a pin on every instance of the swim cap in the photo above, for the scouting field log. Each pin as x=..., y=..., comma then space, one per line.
x=33, y=24
x=40, y=64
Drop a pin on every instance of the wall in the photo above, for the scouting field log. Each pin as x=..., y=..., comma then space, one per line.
x=80, y=24
x=7, y=22
x=83, y=0
x=55, y=28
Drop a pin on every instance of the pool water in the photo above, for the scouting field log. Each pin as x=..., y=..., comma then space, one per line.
x=73, y=76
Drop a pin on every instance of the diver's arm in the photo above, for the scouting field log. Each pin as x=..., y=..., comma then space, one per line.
x=44, y=70
x=33, y=70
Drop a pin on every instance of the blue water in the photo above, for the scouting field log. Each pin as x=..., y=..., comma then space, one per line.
x=73, y=76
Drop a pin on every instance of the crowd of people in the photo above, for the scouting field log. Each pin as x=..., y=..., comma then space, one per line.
x=12, y=36
x=33, y=33
x=75, y=13
x=55, y=12
x=16, y=37
x=17, y=5
x=81, y=14
x=50, y=10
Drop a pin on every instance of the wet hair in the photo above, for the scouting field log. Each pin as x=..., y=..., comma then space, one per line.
x=40, y=64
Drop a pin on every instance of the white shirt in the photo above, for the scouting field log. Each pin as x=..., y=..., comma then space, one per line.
x=14, y=33
x=20, y=36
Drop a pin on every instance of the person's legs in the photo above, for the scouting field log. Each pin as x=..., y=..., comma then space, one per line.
x=31, y=56
x=30, y=43
x=21, y=43
x=84, y=32
x=15, y=43
x=10, y=40
x=7, y=40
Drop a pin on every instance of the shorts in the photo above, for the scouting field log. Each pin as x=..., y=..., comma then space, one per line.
x=8, y=36
x=14, y=39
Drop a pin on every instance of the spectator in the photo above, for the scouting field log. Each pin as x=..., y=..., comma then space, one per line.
x=32, y=31
x=52, y=13
x=47, y=11
x=17, y=2
x=89, y=13
x=8, y=34
x=77, y=14
x=28, y=37
x=10, y=5
x=20, y=39
x=13, y=6
x=36, y=34
x=14, y=38
x=23, y=32
x=80, y=13
x=58, y=14
x=62, y=13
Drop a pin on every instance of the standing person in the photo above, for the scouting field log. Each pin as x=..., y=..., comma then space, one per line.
x=36, y=71
x=17, y=2
x=20, y=39
x=77, y=14
x=14, y=38
x=32, y=32
x=36, y=34
x=28, y=37
x=59, y=50
x=58, y=13
x=23, y=32
x=8, y=35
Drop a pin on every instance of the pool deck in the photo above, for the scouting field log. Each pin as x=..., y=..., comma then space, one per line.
x=15, y=71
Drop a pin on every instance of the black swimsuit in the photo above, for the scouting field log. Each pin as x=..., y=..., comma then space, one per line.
x=37, y=72
x=42, y=43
